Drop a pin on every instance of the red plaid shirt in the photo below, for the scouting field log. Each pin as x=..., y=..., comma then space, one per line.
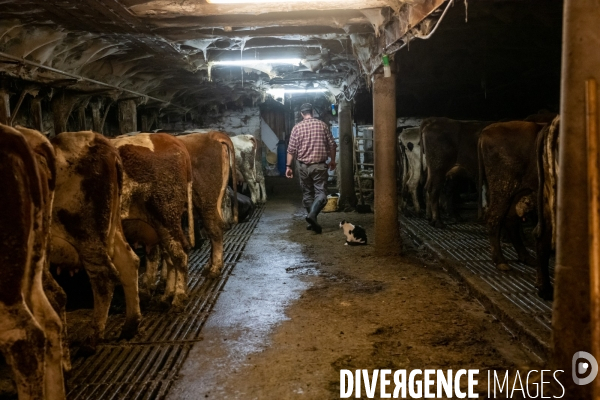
x=311, y=141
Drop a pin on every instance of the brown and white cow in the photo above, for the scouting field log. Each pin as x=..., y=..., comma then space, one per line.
x=245, y=160
x=546, y=229
x=449, y=148
x=515, y=159
x=31, y=331
x=409, y=143
x=87, y=231
x=157, y=193
x=213, y=158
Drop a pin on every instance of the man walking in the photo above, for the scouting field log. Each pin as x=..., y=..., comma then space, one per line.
x=311, y=143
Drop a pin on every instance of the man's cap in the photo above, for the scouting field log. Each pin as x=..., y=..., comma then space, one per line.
x=306, y=107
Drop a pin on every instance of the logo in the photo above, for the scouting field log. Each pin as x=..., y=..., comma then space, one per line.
x=582, y=368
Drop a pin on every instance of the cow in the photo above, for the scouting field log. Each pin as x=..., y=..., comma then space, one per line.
x=86, y=229
x=449, y=152
x=542, y=117
x=409, y=143
x=213, y=159
x=157, y=194
x=516, y=159
x=31, y=330
x=245, y=158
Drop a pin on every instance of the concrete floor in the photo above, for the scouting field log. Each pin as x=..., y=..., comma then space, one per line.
x=299, y=307
x=254, y=301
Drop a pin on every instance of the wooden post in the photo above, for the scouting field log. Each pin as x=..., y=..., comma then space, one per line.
x=145, y=126
x=62, y=106
x=127, y=116
x=387, y=235
x=4, y=106
x=571, y=316
x=36, y=114
x=594, y=218
x=96, y=117
x=346, y=164
x=81, y=119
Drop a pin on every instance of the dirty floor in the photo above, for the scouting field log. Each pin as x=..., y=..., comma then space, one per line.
x=299, y=307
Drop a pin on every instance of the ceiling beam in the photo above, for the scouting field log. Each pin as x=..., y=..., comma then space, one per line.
x=335, y=19
x=172, y=9
x=369, y=50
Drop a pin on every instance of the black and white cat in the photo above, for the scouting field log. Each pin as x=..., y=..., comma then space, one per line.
x=355, y=235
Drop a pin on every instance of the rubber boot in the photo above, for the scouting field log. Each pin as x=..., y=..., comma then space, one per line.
x=309, y=226
x=315, y=209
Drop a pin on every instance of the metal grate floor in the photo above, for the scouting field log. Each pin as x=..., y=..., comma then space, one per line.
x=468, y=244
x=146, y=366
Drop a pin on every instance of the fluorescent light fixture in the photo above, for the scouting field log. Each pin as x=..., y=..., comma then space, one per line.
x=281, y=92
x=243, y=1
x=241, y=63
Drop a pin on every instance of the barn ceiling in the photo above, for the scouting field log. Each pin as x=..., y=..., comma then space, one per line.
x=169, y=53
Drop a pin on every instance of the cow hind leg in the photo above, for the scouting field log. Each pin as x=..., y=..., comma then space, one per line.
x=513, y=227
x=103, y=286
x=434, y=189
x=127, y=263
x=263, y=191
x=254, y=190
x=495, y=218
x=22, y=341
x=543, y=248
x=58, y=299
x=214, y=231
x=177, y=274
x=149, y=279
x=52, y=326
x=415, y=200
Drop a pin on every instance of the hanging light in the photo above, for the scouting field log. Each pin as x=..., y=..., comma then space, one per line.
x=249, y=1
x=295, y=91
x=241, y=63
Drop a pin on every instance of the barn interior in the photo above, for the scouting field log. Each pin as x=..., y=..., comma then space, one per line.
x=294, y=308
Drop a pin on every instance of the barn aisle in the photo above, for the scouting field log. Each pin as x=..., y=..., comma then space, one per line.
x=299, y=307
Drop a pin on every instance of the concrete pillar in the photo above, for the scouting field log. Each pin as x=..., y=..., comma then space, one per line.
x=571, y=317
x=145, y=125
x=127, y=116
x=346, y=161
x=96, y=116
x=387, y=237
x=36, y=114
x=4, y=107
x=81, y=118
x=62, y=106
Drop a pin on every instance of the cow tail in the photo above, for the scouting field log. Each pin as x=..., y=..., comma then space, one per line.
x=539, y=155
x=190, y=197
x=115, y=219
x=552, y=150
x=481, y=178
x=232, y=169
x=424, y=179
x=190, y=212
x=119, y=167
x=254, y=151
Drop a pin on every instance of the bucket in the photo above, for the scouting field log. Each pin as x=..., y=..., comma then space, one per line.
x=332, y=204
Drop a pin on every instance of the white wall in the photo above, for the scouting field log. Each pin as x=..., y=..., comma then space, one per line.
x=245, y=122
